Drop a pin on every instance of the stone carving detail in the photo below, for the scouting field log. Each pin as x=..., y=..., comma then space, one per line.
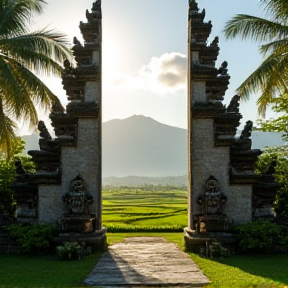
x=193, y=5
x=78, y=198
x=212, y=200
x=246, y=133
x=44, y=133
x=234, y=105
x=57, y=109
x=68, y=69
x=215, y=42
x=223, y=71
x=76, y=41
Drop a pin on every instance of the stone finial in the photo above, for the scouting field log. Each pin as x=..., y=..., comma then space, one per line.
x=76, y=41
x=246, y=133
x=193, y=5
x=57, y=108
x=96, y=5
x=234, y=104
x=203, y=13
x=43, y=130
x=215, y=42
x=223, y=69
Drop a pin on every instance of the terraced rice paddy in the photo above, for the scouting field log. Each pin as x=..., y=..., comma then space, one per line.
x=148, y=210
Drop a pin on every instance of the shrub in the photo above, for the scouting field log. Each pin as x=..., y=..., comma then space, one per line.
x=69, y=251
x=7, y=177
x=34, y=239
x=259, y=236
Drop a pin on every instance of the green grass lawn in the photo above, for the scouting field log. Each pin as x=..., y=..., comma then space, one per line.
x=134, y=209
x=44, y=272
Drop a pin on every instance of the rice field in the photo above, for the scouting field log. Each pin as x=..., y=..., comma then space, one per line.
x=145, y=210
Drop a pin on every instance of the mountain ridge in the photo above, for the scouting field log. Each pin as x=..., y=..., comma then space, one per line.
x=147, y=147
x=141, y=146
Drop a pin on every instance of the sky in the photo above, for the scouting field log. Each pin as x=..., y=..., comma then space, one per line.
x=144, y=53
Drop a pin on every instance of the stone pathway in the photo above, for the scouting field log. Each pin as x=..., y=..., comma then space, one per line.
x=145, y=261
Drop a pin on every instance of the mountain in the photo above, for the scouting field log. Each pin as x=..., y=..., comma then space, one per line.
x=262, y=139
x=141, y=146
x=31, y=142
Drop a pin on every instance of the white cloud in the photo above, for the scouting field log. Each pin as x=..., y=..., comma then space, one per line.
x=166, y=74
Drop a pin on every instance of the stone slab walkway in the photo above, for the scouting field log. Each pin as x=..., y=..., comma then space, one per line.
x=145, y=261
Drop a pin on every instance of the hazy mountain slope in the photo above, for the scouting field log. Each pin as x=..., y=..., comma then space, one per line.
x=262, y=139
x=142, y=146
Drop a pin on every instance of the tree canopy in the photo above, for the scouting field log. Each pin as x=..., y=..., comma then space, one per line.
x=23, y=55
x=271, y=77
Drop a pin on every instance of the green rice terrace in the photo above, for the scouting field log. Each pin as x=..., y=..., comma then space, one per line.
x=144, y=209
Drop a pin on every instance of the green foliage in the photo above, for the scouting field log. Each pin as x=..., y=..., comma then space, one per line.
x=280, y=124
x=270, y=78
x=26, y=162
x=276, y=158
x=22, y=52
x=16, y=147
x=34, y=239
x=259, y=236
x=118, y=228
x=7, y=177
x=69, y=251
x=8, y=174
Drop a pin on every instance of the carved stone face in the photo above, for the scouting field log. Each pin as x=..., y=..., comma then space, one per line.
x=78, y=186
x=212, y=185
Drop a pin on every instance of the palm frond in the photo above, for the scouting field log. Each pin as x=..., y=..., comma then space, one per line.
x=254, y=28
x=276, y=9
x=20, y=86
x=266, y=79
x=40, y=51
x=15, y=15
x=278, y=46
x=7, y=132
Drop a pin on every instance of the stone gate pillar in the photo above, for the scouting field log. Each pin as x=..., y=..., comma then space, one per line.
x=74, y=156
x=214, y=153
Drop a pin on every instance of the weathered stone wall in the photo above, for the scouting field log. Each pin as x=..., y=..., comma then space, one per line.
x=92, y=92
x=50, y=204
x=82, y=160
x=96, y=58
x=209, y=160
x=198, y=90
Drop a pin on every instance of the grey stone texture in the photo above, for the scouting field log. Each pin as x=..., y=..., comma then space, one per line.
x=74, y=161
x=50, y=204
x=198, y=92
x=92, y=92
x=207, y=160
x=145, y=261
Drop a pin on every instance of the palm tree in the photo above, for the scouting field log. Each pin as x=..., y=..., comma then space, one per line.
x=271, y=77
x=23, y=53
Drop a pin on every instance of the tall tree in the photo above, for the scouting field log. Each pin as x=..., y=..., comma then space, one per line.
x=23, y=53
x=271, y=77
